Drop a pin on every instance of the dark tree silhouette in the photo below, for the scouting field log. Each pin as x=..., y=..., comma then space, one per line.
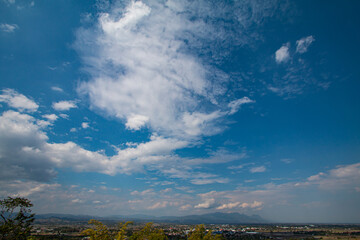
x=16, y=218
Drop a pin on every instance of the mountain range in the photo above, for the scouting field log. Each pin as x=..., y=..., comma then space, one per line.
x=210, y=218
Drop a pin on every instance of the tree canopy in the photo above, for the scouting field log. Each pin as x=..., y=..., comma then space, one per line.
x=16, y=218
x=200, y=234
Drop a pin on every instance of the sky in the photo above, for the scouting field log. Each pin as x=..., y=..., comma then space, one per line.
x=182, y=107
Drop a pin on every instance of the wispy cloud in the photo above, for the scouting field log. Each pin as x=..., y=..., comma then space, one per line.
x=258, y=169
x=57, y=89
x=236, y=104
x=160, y=41
x=9, y=28
x=303, y=44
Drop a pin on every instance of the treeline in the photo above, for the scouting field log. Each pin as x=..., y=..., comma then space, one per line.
x=99, y=231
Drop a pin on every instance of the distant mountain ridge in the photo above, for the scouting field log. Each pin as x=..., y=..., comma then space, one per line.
x=209, y=218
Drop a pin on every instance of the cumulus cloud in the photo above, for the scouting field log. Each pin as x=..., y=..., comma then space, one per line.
x=26, y=153
x=64, y=105
x=51, y=117
x=135, y=122
x=19, y=133
x=18, y=101
x=9, y=28
x=84, y=125
x=303, y=44
x=341, y=177
x=208, y=203
x=282, y=54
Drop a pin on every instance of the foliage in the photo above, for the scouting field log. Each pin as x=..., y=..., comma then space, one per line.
x=99, y=232
x=15, y=225
x=121, y=235
x=200, y=234
x=102, y=232
x=149, y=233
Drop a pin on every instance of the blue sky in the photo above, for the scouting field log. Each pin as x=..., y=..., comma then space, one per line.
x=182, y=107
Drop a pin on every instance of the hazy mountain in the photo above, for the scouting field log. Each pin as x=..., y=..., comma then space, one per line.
x=210, y=218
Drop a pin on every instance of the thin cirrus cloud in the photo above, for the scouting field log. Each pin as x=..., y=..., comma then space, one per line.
x=57, y=89
x=259, y=169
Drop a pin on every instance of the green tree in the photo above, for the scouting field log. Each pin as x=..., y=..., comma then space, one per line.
x=98, y=232
x=200, y=234
x=15, y=225
x=121, y=235
x=149, y=233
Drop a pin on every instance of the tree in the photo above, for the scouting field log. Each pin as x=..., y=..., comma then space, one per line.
x=99, y=232
x=149, y=233
x=15, y=225
x=121, y=235
x=200, y=234
x=102, y=232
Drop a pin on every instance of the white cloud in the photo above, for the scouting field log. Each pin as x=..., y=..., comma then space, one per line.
x=57, y=89
x=282, y=54
x=303, y=44
x=236, y=104
x=144, y=193
x=287, y=160
x=9, y=2
x=157, y=205
x=197, y=123
x=203, y=181
x=135, y=122
x=186, y=207
x=51, y=117
x=43, y=123
x=341, y=177
x=20, y=133
x=229, y=205
x=208, y=203
x=64, y=105
x=84, y=125
x=258, y=169
x=8, y=27
x=255, y=204
x=18, y=101
x=159, y=82
x=63, y=115
x=24, y=188
x=77, y=200
x=142, y=70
